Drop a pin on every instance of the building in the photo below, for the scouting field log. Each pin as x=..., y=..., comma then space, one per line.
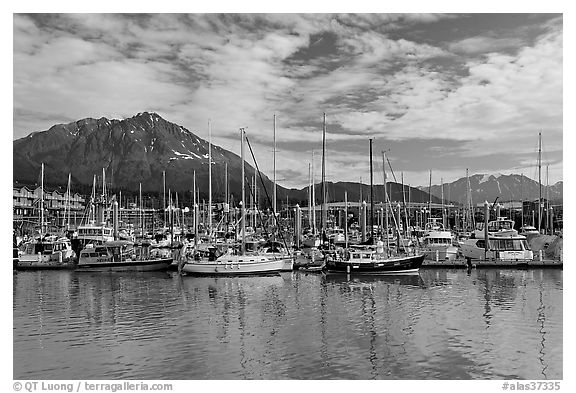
x=26, y=203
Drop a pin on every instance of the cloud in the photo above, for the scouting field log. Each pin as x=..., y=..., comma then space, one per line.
x=479, y=44
x=490, y=94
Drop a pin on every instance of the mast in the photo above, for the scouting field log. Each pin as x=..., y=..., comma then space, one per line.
x=42, y=202
x=209, y=181
x=93, y=207
x=176, y=209
x=442, y=197
x=171, y=218
x=469, y=215
x=410, y=204
x=253, y=202
x=195, y=213
x=404, y=203
x=141, y=212
x=346, y=218
x=522, y=199
x=324, y=215
x=429, y=197
x=164, y=194
x=103, y=197
x=226, y=193
x=539, y=181
x=120, y=209
x=274, y=189
x=68, y=203
x=226, y=182
x=385, y=203
x=313, y=197
x=243, y=228
x=371, y=194
x=103, y=184
x=547, y=200
x=309, y=196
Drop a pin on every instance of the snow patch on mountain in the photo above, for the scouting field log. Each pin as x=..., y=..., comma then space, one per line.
x=484, y=179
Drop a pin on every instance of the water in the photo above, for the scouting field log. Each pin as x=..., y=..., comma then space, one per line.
x=440, y=324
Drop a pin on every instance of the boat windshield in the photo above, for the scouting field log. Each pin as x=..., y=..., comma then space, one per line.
x=500, y=225
x=438, y=240
x=505, y=244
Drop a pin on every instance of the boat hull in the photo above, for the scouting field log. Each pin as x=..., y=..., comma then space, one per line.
x=441, y=253
x=400, y=265
x=49, y=265
x=234, y=268
x=288, y=265
x=125, y=266
x=53, y=262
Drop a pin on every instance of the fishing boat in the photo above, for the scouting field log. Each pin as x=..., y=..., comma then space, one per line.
x=369, y=260
x=47, y=252
x=437, y=242
x=121, y=255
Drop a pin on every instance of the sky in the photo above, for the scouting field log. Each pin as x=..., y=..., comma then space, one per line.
x=440, y=92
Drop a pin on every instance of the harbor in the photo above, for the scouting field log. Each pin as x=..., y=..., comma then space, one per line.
x=287, y=196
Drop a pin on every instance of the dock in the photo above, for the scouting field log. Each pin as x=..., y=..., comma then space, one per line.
x=461, y=263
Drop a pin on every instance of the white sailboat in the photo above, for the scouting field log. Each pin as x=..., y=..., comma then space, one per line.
x=234, y=261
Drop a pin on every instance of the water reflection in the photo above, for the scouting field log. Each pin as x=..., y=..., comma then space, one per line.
x=441, y=324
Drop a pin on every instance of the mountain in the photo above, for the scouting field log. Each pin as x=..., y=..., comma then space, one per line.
x=138, y=149
x=486, y=187
x=357, y=192
x=134, y=150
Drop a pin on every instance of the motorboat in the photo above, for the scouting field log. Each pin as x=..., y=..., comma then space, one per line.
x=121, y=255
x=509, y=248
x=527, y=230
x=47, y=252
x=437, y=242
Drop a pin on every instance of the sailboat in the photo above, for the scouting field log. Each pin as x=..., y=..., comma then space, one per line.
x=234, y=261
x=370, y=258
x=94, y=231
x=121, y=255
x=46, y=251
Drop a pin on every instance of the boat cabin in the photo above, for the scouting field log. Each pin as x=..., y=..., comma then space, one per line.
x=116, y=251
x=501, y=224
x=46, y=248
x=504, y=244
x=99, y=233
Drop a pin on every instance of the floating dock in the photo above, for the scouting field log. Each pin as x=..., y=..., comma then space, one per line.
x=461, y=263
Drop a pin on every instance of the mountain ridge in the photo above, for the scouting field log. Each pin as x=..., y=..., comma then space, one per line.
x=140, y=148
